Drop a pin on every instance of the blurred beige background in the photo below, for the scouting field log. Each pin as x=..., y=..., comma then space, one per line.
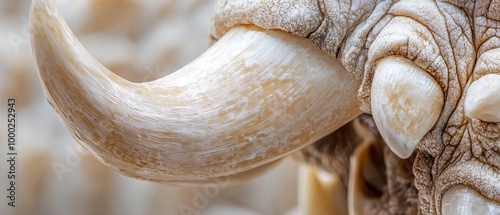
x=139, y=40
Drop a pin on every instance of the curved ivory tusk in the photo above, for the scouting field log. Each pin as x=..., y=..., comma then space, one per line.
x=483, y=99
x=253, y=97
x=406, y=103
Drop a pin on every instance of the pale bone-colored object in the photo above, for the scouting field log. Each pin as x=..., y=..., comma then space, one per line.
x=483, y=99
x=359, y=195
x=406, y=102
x=252, y=98
x=379, y=181
x=452, y=41
x=320, y=192
x=466, y=201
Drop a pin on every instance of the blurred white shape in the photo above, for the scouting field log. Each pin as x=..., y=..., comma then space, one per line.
x=272, y=193
x=228, y=208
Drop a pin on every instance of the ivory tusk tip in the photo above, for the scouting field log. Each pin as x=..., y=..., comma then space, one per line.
x=399, y=145
x=483, y=99
x=406, y=103
x=48, y=7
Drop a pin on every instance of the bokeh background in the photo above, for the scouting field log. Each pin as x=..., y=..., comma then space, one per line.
x=140, y=40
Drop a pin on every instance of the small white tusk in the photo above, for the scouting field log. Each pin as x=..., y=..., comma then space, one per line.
x=253, y=97
x=321, y=193
x=466, y=201
x=406, y=103
x=483, y=99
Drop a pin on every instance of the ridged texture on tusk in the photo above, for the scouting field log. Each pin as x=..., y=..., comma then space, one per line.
x=483, y=99
x=253, y=97
x=321, y=193
x=466, y=201
x=406, y=103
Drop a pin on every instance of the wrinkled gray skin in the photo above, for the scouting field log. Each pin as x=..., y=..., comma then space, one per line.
x=456, y=42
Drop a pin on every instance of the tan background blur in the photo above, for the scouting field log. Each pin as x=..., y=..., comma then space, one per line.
x=139, y=40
